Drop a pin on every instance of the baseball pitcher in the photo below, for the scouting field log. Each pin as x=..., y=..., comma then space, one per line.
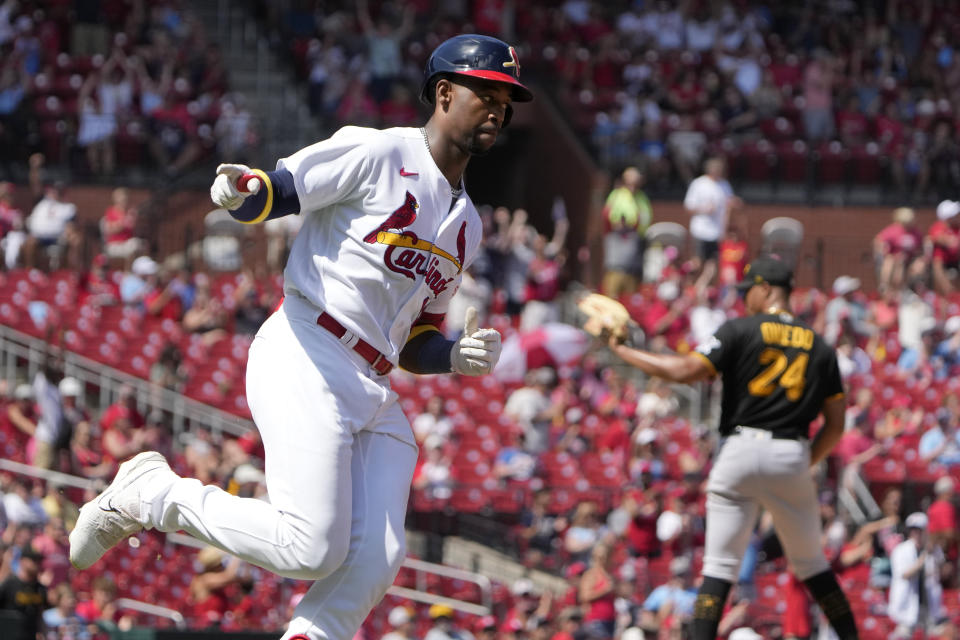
x=778, y=375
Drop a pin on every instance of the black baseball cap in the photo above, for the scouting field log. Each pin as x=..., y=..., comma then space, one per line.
x=769, y=269
x=30, y=552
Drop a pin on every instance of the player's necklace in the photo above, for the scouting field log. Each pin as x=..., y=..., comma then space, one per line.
x=454, y=191
x=774, y=311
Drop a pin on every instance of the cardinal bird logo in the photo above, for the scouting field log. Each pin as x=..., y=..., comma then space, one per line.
x=400, y=218
x=462, y=243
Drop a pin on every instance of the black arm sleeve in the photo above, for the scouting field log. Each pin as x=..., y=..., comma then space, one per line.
x=277, y=198
x=428, y=352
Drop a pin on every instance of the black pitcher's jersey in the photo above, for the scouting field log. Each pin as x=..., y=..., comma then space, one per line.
x=776, y=373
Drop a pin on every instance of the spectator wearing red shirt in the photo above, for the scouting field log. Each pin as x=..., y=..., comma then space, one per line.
x=686, y=95
x=597, y=595
x=543, y=275
x=898, y=250
x=102, y=605
x=644, y=509
x=98, y=287
x=208, y=588
x=855, y=446
x=852, y=126
x=11, y=219
x=163, y=298
x=614, y=437
x=571, y=625
x=944, y=235
x=251, y=443
x=942, y=513
x=174, y=143
x=118, y=226
x=665, y=319
x=125, y=407
x=86, y=456
x=527, y=610
x=399, y=110
x=358, y=106
x=22, y=412
x=732, y=257
x=55, y=548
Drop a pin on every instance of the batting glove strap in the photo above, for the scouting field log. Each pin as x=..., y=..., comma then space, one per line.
x=476, y=354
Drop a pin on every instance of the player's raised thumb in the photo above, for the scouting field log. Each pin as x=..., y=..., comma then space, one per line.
x=470, y=326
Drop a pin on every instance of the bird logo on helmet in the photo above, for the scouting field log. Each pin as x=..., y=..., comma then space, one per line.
x=476, y=56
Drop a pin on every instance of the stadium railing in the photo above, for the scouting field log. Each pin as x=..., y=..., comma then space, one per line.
x=153, y=610
x=23, y=355
x=420, y=594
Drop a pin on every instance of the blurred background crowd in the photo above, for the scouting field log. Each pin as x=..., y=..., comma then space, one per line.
x=570, y=466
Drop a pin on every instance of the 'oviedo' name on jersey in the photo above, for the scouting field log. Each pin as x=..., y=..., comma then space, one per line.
x=786, y=335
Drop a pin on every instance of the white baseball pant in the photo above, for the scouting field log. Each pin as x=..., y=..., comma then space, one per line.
x=340, y=457
x=754, y=470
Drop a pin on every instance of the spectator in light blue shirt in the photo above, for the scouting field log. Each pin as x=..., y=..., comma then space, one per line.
x=63, y=618
x=941, y=443
x=673, y=598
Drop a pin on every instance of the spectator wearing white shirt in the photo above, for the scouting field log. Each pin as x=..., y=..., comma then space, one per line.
x=709, y=201
x=915, y=592
x=50, y=226
x=402, y=622
x=701, y=30
x=435, y=474
x=705, y=317
x=666, y=26
x=49, y=434
x=530, y=407
x=432, y=422
x=22, y=506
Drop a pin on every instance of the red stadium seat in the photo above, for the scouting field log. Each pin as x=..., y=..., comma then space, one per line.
x=794, y=160
x=832, y=162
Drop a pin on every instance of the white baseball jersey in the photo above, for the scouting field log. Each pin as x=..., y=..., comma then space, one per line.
x=383, y=241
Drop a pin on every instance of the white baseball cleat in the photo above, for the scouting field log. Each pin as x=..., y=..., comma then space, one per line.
x=114, y=514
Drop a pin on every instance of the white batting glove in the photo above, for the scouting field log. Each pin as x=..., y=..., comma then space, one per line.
x=478, y=350
x=224, y=191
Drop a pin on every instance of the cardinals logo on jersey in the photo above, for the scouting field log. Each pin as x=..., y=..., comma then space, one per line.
x=402, y=217
x=411, y=256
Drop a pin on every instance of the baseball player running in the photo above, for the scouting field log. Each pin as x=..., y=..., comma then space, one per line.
x=777, y=376
x=388, y=231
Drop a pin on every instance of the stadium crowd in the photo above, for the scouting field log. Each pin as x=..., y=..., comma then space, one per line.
x=657, y=84
x=662, y=84
x=98, y=86
x=596, y=475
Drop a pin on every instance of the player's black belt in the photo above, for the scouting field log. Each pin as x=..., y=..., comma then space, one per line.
x=761, y=434
x=367, y=351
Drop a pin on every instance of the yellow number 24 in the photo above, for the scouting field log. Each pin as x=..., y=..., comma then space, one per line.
x=780, y=371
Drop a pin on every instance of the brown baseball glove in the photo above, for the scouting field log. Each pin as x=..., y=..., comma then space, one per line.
x=606, y=318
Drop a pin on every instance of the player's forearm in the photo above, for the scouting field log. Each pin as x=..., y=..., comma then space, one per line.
x=663, y=365
x=428, y=352
x=276, y=198
x=828, y=437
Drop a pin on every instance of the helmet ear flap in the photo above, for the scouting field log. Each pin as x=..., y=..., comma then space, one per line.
x=507, y=115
